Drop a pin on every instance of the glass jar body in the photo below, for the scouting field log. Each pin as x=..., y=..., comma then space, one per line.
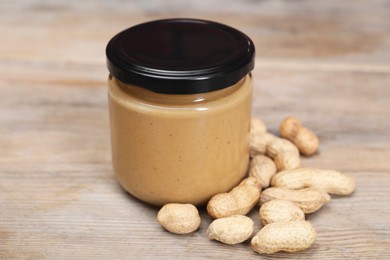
x=179, y=148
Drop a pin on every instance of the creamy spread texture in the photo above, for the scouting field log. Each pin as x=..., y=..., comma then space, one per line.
x=179, y=148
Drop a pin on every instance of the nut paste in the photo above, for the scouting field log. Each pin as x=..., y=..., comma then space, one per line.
x=180, y=94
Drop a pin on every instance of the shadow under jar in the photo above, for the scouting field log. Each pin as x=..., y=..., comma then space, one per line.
x=180, y=98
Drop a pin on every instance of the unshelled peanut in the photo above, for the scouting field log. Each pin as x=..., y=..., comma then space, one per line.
x=294, y=192
x=179, y=218
x=257, y=127
x=284, y=153
x=332, y=182
x=239, y=201
x=259, y=142
x=262, y=168
x=231, y=230
x=308, y=200
x=305, y=139
x=284, y=236
x=280, y=211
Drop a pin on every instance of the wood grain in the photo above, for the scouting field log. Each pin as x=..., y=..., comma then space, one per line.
x=326, y=62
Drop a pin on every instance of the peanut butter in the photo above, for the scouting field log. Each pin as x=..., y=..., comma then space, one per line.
x=184, y=152
x=180, y=93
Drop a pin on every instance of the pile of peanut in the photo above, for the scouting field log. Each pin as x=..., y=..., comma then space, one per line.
x=284, y=190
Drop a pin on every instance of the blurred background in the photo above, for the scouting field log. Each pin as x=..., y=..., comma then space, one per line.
x=299, y=30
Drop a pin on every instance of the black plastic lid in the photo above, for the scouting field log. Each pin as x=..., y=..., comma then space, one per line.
x=180, y=56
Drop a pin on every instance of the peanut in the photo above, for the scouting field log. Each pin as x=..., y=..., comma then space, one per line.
x=305, y=139
x=258, y=143
x=239, y=201
x=309, y=199
x=280, y=211
x=179, y=218
x=284, y=153
x=258, y=127
x=295, y=192
x=332, y=182
x=262, y=168
x=284, y=236
x=231, y=230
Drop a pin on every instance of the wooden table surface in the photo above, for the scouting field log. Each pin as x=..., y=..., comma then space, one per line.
x=326, y=62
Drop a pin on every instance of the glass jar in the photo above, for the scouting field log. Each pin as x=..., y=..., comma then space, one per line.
x=180, y=94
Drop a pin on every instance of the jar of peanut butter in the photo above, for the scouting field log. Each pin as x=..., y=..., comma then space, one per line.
x=180, y=93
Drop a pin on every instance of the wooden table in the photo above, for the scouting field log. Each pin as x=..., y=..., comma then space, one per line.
x=326, y=62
